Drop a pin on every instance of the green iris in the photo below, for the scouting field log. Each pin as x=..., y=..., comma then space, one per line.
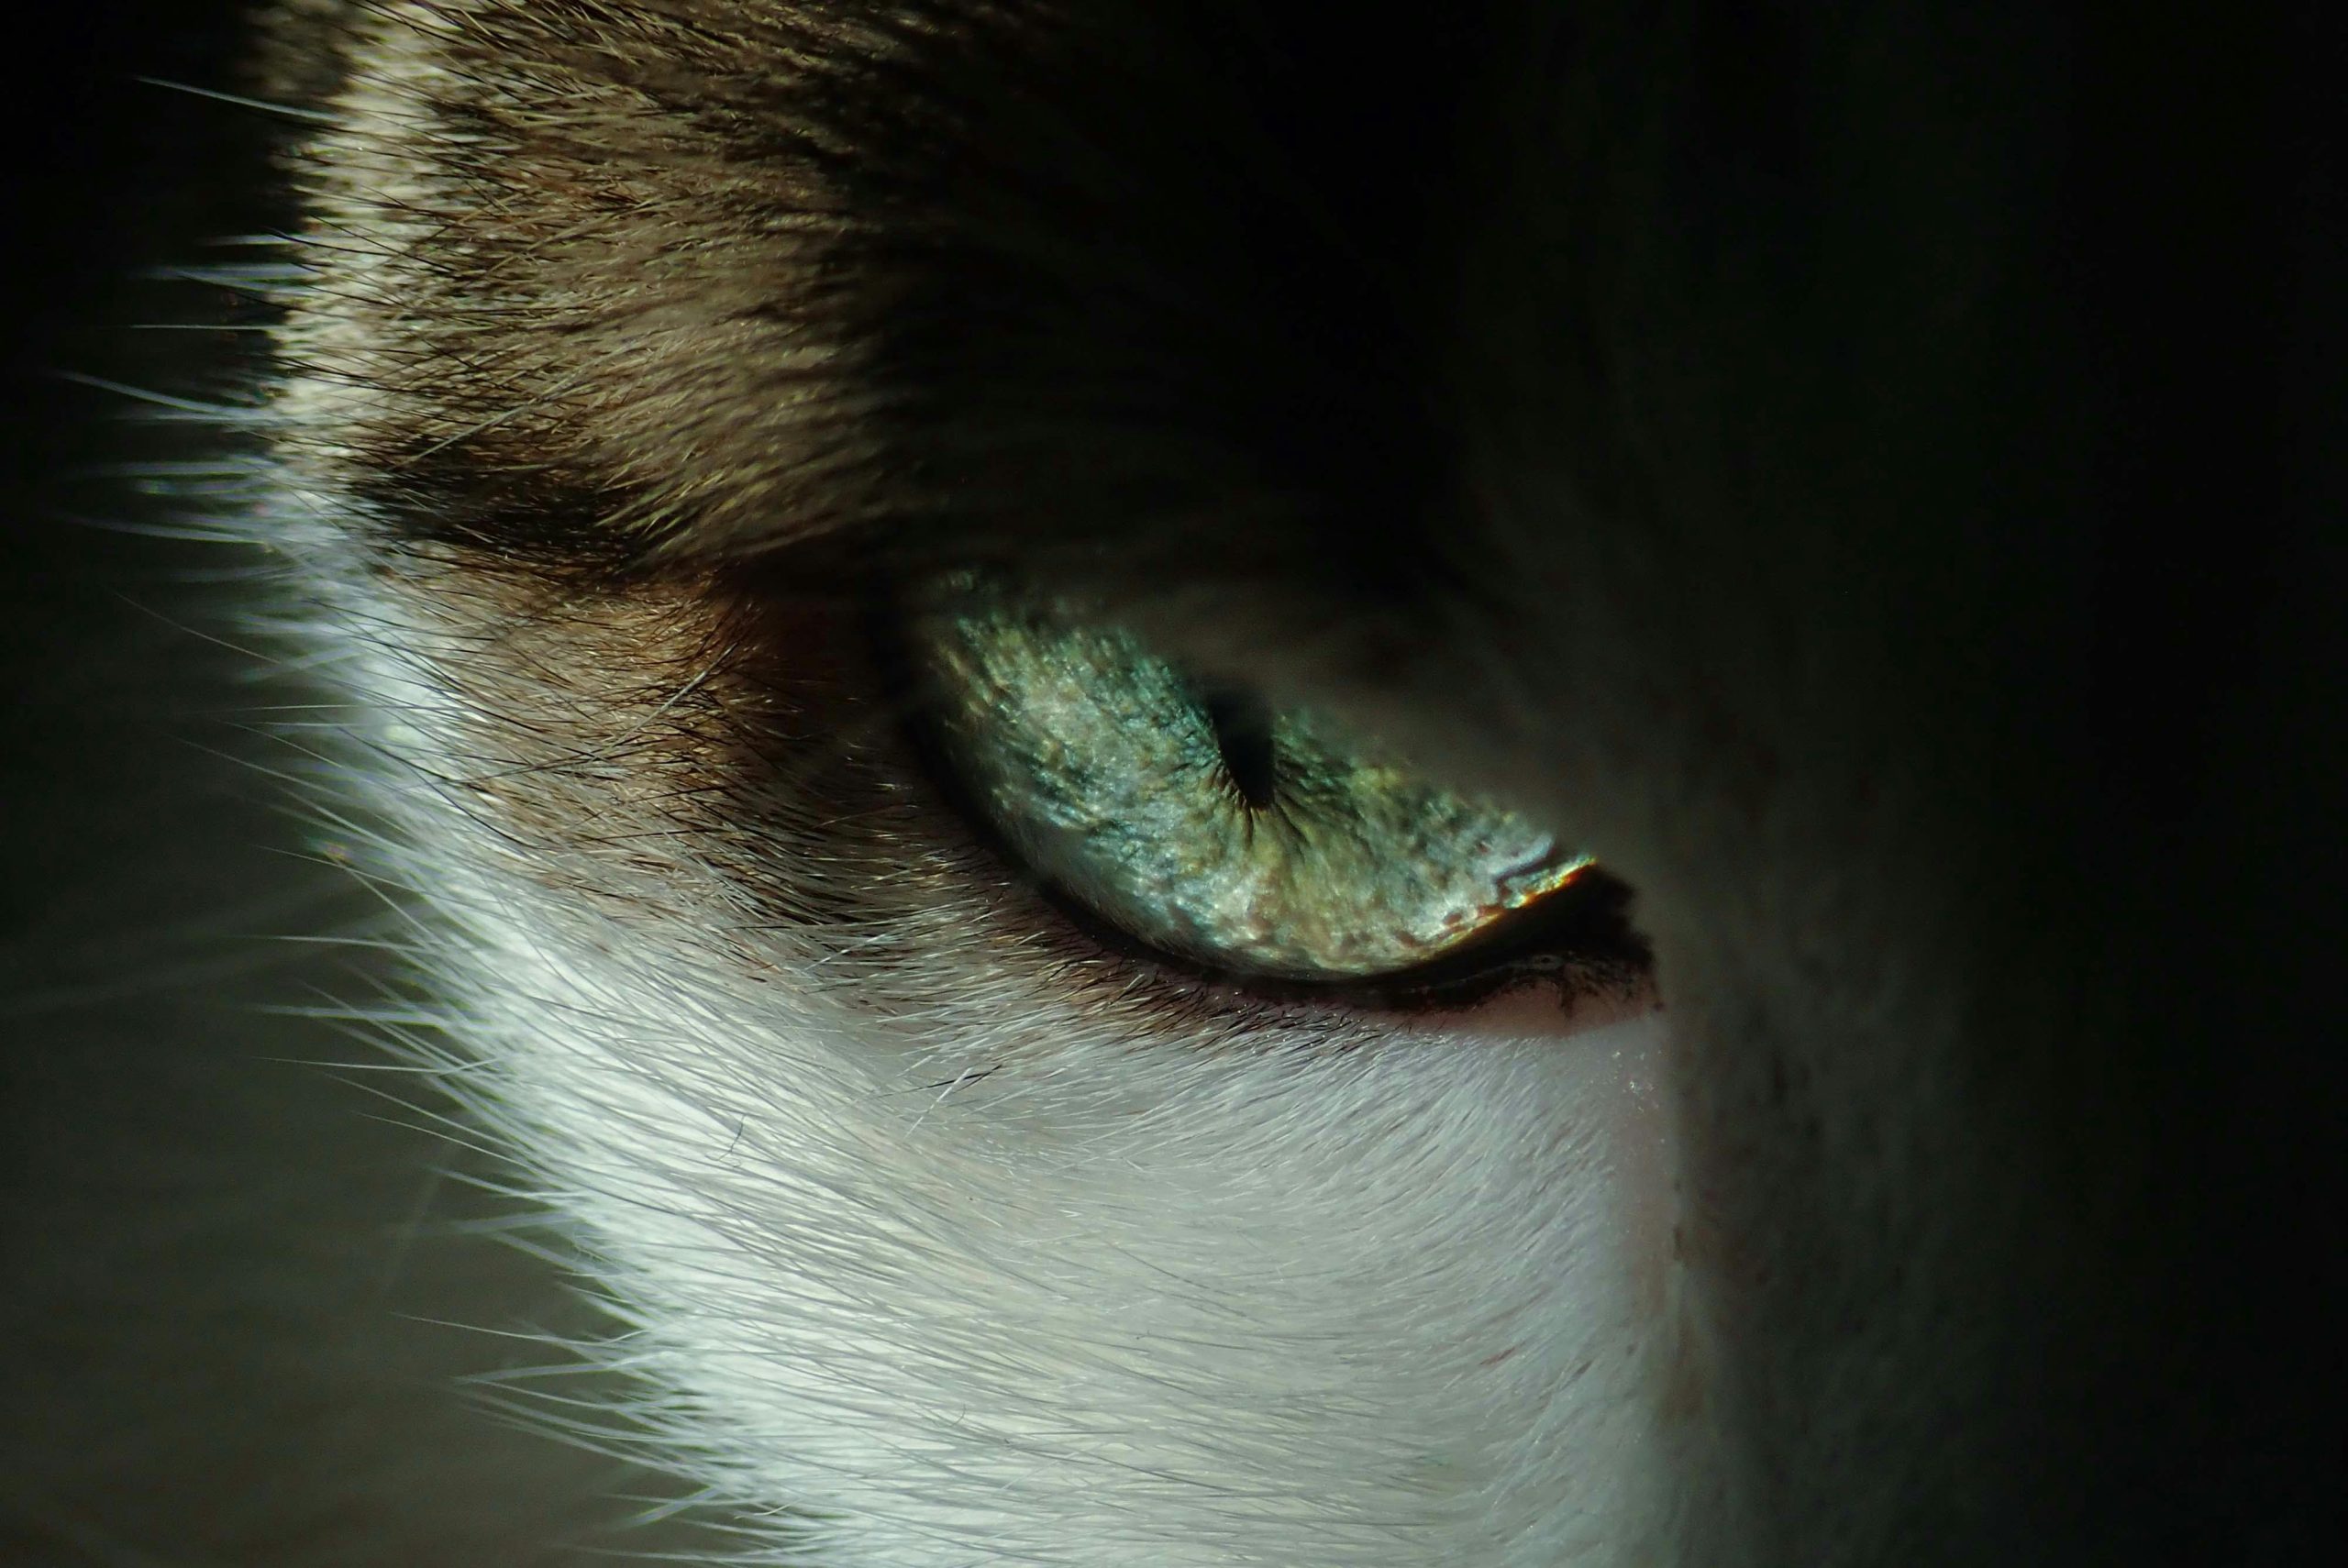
x=1258, y=843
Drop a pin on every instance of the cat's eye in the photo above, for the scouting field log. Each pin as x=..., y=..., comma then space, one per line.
x=1254, y=841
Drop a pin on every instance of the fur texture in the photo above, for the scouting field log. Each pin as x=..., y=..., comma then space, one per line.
x=944, y=1240
x=1733, y=437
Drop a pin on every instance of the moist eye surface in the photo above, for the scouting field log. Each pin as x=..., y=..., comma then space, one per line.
x=1258, y=841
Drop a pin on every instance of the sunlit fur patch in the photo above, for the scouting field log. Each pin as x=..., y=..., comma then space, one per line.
x=933, y=1255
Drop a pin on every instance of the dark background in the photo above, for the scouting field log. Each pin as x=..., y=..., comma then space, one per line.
x=109, y=175
x=111, y=179
x=232, y=1273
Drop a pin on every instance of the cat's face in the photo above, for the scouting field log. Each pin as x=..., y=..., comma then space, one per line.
x=1694, y=437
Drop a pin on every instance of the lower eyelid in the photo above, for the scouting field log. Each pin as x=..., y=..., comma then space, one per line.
x=1560, y=998
x=1546, y=1009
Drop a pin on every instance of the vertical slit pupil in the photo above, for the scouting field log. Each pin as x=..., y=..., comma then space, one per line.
x=1243, y=732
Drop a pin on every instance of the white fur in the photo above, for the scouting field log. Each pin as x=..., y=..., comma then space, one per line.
x=955, y=1272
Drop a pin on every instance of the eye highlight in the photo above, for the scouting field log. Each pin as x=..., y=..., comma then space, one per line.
x=1259, y=843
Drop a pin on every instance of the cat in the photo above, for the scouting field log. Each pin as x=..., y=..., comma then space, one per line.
x=1750, y=448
